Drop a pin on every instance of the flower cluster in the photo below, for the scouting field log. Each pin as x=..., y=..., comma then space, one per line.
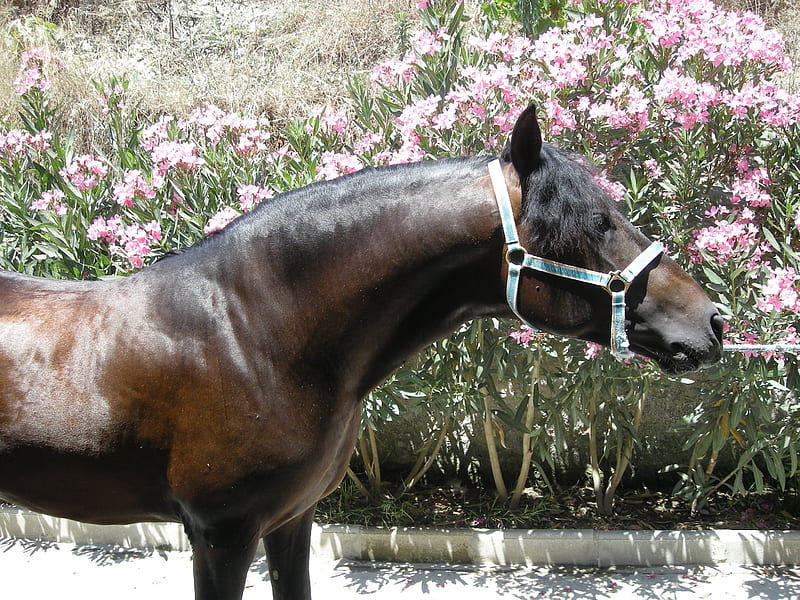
x=133, y=241
x=251, y=195
x=726, y=240
x=84, y=172
x=220, y=220
x=335, y=164
x=248, y=135
x=780, y=292
x=112, y=98
x=51, y=200
x=523, y=336
x=698, y=30
x=17, y=142
x=175, y=155
x=132, y=186
x=751, y=188
x=430, y=42
x=31, y=75
x=330, y=119
x=152, y=135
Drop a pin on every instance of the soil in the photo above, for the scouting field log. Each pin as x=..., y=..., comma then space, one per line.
x=572, y=508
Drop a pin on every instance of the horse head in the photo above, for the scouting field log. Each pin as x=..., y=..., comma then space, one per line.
x=579, y=268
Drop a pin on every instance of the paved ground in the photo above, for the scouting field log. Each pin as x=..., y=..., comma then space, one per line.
x=35, y=570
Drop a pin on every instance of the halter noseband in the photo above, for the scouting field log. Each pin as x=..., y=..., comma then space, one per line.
x=616, y=283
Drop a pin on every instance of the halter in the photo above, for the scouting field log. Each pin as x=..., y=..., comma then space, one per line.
x=616, y=283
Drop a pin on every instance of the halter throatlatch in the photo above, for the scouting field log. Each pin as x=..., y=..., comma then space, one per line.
x=616, y=283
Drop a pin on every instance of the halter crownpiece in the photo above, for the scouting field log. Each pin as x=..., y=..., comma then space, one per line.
x=616, y=283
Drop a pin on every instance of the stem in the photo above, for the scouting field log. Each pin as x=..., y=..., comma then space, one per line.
x=362, y=489
x=530, y=419
x=365, y=457
x=376, y=464
x=624, y=458
x=417, y=473
x=494, y=460
x=712, y=462
x=594, y=461
x=412, y=475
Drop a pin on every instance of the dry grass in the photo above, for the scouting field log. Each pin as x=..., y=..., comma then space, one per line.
x=264, y=57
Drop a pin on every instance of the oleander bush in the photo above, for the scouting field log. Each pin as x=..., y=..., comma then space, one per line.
x=676, y=100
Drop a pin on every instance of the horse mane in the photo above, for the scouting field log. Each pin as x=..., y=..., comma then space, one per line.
x=561, y=199
x=288, y=207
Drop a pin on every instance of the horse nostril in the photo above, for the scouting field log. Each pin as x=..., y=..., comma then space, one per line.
x=717, y=325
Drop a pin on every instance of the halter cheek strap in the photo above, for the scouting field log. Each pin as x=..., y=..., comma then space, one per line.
x=616, y=283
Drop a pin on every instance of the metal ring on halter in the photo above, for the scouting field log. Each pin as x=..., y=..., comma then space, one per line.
x=615, y=277
x=515, y=255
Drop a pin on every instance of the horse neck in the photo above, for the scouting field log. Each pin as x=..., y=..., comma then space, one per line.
x=392, y=262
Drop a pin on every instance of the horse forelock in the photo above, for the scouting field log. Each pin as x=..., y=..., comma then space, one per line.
x=561, y=199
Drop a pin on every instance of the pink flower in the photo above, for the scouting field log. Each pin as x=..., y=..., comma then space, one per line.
x=727, y=240
x=392, y=72
x=84, y=172
x=522, y=336
x=220, y=220
x=179, y=155
x=100, y=229
x=780, y=291
x=426, y=42
x=207, y=116
x=41, y=141
x=613, y=188
x=332, y=119
x=50, y=200
x=16, y=142
x=750, y=188
x=592, y=350
x=251, y=195
x=417, y=115
x=132, y=242
x=112, y=98
x=560, y=118
x=30, y=71
x=367, y=143
x=653, y=168
x=131, y=187
x=334, y=164
x=156, y=133
x=252, y=140
x=409, y=152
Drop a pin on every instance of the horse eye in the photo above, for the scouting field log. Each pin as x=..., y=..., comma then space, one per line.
x=602, y=222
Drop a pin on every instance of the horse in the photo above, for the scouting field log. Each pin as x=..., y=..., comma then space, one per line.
x=220, y=386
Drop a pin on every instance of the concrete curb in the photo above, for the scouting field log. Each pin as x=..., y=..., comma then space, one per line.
x=568, y=547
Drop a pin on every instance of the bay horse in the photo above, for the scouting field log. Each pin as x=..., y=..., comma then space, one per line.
x=220, y=386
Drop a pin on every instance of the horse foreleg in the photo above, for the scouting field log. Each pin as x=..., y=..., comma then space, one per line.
x=288, y=549
x=221, y=563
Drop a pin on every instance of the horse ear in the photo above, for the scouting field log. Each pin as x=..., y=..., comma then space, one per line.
x=526, y=143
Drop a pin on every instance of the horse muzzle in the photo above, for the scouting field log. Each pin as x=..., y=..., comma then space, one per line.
x=687, y=346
